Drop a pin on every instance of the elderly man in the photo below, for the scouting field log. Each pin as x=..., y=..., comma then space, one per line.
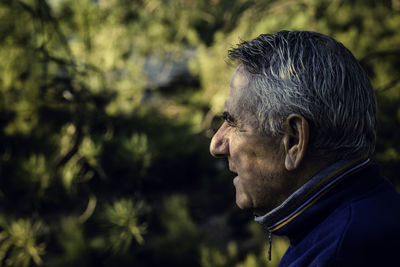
x=299, y=128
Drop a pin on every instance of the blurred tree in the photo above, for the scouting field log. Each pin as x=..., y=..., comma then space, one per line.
x=18, y=240
x=106, y=108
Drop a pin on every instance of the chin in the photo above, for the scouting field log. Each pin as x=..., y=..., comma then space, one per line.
x=240, y=206
x=244, y=205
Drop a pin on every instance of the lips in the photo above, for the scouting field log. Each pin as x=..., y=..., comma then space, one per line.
x=231, y=168
x=235, y=181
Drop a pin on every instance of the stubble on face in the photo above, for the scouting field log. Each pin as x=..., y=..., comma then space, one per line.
x=261, y=176
x=257, y=159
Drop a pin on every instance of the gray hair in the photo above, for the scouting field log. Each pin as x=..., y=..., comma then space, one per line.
x=317, y=77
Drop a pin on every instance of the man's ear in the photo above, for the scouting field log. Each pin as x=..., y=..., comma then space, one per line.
x=295, y=140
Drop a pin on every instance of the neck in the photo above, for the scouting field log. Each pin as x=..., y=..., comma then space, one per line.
x=310, y=167
x=312, y=191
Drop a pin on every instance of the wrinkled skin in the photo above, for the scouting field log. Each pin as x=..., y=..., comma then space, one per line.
x=262, y=181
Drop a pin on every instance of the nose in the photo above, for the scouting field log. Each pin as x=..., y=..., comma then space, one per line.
x=219, y=146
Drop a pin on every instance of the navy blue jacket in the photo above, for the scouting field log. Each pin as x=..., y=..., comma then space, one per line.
x=348, y=215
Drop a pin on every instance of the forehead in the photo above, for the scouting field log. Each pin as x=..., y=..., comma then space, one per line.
x=238, y=86
x=237, y=102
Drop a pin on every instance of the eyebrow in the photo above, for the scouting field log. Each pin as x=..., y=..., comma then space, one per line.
x=228, y=117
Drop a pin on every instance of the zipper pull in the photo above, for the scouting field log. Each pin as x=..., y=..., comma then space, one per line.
x=270, y=245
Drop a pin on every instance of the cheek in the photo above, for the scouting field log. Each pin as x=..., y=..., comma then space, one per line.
x=244, y=154
x=255, y=162
x=263, y=186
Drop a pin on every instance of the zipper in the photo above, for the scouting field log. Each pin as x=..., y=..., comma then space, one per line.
x=270, y=245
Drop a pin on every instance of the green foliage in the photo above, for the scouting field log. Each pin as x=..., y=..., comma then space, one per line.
x=72, y=240
x=18, y=240
x=211, y=257
x=215, y=258
x=109, y=104
x=176, y=219
x=181, y=236
x=122, y=224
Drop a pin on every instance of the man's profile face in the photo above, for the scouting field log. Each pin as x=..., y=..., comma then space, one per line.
x=258, y=160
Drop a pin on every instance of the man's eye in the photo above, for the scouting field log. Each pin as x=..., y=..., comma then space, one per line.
x=228, y=118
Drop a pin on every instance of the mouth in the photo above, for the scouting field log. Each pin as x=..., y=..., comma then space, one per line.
x=236, y=178
x=232, y=169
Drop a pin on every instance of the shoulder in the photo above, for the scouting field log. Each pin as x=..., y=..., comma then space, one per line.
x=372, y=232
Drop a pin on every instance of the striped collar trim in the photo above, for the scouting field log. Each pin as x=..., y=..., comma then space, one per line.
x=310, y=192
